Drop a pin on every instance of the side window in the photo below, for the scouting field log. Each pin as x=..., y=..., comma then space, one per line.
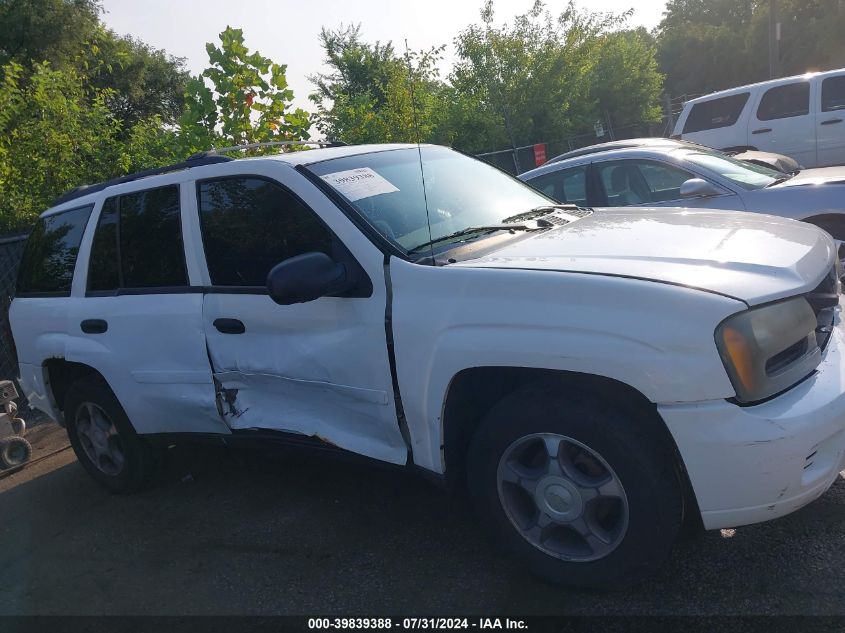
x=49, y=256
x=249, y=225
x=663, y=181
x=565, y=185
x=103, y=267
x=640, y=181
x=138, y=242
x=786, y=101
x=715, y=113
x=833, y=93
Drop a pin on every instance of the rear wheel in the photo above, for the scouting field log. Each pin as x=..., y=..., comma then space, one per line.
x=583, y=492
x=103, y=438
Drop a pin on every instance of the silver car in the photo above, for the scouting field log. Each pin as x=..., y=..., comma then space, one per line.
x=668, y=175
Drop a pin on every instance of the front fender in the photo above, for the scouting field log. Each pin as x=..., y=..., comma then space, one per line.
x=655, y=337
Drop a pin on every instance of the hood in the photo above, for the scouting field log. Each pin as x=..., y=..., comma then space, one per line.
x=751, y=257
x=820, y=176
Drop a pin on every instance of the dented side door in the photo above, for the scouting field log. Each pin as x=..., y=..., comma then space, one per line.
x=319, y=368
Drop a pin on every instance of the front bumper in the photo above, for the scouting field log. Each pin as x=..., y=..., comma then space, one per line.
x=752, y=464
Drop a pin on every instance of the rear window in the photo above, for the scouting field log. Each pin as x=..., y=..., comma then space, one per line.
x=833, y=94
x=716, y=113
x=783, y=102
x=50, y=253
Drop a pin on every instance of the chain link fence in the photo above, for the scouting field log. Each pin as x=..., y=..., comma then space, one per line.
x=11, y=249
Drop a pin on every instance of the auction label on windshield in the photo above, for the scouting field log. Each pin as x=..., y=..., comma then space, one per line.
x=359, y=183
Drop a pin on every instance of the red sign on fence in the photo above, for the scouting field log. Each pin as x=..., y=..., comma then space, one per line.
x=539, y=154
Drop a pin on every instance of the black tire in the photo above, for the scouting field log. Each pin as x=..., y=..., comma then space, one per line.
x=14, y=451
x=636, y=449
x=140, y=459
x=836, y=229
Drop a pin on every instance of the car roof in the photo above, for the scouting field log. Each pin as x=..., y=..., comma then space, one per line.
x=620, y=144
x=304, y=157
x=769, y=82
x=646, y=151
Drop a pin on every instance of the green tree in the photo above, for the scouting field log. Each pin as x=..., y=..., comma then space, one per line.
x=240, y=98
x=34, y=31
x=144, y=82
x=537, y=79
x=709, y=45
x=54, y=135
x=372, y=94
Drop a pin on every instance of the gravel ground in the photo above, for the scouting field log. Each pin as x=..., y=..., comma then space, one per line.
x=300, y=534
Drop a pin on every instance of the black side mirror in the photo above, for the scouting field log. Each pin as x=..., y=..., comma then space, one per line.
x=305, y=278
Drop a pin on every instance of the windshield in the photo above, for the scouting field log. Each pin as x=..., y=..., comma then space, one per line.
x=746, y=175
x=460, y=192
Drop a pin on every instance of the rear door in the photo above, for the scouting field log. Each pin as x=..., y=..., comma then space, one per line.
x=136, y=318
x=830, y=127
x=719, y=122
x=319, y=368
x=783, y=121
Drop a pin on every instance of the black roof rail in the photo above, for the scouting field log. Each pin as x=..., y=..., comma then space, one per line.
x=208, y=157
x=84, y=190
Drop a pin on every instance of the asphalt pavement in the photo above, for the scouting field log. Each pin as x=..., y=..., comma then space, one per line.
x=225, y=533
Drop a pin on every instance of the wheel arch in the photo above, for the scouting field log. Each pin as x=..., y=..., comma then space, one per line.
x=468, y=399
x=60, y=374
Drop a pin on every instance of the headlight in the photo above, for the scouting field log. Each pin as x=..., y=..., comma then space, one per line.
x=767, y=350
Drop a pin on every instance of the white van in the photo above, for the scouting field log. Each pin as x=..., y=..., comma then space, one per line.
x=802, y=117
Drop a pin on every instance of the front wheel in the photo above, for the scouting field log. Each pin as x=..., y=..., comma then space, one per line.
x=583, y=492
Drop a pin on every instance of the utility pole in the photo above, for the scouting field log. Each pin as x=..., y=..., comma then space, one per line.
x=774, y=40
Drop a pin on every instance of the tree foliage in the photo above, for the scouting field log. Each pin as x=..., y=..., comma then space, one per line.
x=372, y=94
x=709, y=45
x=240, y=98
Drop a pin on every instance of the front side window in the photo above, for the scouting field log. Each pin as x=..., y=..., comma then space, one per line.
x=715, y=113
x=249, y=225
x=833, y=94
x=138, y=242
x=50, y=253
x=386, y=189
x=783, y=102
x=565, y=185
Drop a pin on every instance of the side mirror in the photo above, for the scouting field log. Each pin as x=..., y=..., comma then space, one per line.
x=699, y=188
x=305, y=278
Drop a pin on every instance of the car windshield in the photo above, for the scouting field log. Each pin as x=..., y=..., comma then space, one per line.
x=386, y=188
x=746, y=175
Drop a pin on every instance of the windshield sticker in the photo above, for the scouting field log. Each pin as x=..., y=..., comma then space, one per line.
x=359, y=183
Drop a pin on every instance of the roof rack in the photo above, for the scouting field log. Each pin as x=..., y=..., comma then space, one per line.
x=216, y=151
x=208, y=157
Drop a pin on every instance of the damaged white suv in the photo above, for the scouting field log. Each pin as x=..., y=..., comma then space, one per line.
x=597, y=379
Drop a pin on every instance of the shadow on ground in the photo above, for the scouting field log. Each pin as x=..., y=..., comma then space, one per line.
x=298, y=534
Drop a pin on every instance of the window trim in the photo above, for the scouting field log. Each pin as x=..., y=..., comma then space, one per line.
x=41, y=294
x=805, y=82
x=121, y=289
x=365, y=289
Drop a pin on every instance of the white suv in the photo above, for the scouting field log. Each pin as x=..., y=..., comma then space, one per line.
x=597, y=379
x=802, y=117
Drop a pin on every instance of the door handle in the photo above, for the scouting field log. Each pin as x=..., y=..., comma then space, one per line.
x=762, y=130
x=229, y=326
x=831, y=121
x=94, y=326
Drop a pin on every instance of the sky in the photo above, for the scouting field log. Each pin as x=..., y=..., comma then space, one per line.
x=287, y=31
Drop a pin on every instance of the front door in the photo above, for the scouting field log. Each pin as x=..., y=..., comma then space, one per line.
x=320, y=368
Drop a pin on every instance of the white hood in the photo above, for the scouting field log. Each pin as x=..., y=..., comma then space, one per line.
x=752, y=257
